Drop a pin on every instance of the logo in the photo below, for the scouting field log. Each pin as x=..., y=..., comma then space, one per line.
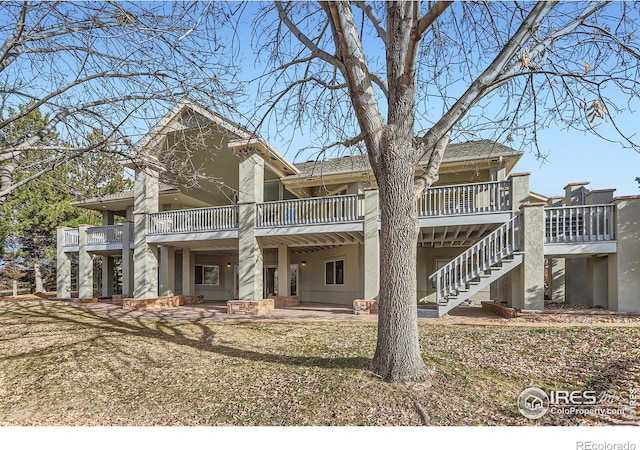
x=533, y=403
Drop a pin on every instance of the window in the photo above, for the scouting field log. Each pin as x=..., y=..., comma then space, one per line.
x=334, y=272
x=208, y=275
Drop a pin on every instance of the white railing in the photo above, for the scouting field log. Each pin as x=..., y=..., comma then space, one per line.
x=319, y=210
x=491, y=250
x=71, y=237
x=579, y=223
x=465, y=199
x=107, y=234
x=193, y=220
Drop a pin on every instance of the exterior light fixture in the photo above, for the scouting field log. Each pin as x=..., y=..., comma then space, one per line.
x=228, y=265
x=303, y=264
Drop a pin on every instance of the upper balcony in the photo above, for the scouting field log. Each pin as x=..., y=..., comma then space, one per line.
x=583, y=229
x=199, y=224
x=466, y=204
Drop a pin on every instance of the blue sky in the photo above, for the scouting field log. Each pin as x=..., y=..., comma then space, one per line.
x=570, y=155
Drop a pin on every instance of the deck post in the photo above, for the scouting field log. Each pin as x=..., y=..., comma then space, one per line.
x=519, y=190
x=250, y=264
x=167, y=270
x=624, y=265
x=107, y=275
x=284, y=273
x=63, y=268
x=528, y=286
x=85, y=265
x=127, y=259
x=371, y=246
x=188, y=272
x=145, y=259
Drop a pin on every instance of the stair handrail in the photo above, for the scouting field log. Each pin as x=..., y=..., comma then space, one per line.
x=490, y=250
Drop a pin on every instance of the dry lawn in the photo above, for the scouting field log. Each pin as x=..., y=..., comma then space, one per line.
x=62, y=364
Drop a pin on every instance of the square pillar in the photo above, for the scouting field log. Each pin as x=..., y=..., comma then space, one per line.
x=63, y=267
x=251, y=192
x=145, y=259
x=167, y=270
x=598, y=281
x=85, y=265
x=624, y=265
x=107, y=217
x=519, y=190
x=556, y=279
x=531, y=274
x=107, y=276
x=127, y=259
x=575, y=292
x=188, y=272
x=371, y=246
x=284, y=273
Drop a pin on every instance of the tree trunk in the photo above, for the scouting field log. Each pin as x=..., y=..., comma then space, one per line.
x=38, y=277
x=398, y=354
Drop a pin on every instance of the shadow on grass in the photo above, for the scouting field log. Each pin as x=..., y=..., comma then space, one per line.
x=163, y=331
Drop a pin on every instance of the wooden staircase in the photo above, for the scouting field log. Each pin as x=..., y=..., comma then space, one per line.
x=477, y=267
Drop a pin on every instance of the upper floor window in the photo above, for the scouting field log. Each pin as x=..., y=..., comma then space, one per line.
x=208, y=275
x=334, y=272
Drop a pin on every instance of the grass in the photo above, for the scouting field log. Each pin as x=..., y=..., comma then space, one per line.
x=63, y=364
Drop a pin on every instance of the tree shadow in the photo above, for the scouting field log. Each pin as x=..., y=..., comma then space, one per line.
x=163, y=331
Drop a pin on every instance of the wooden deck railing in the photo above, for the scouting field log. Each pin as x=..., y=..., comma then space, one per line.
x=309, y=211
x=465, y=199
x=107, y=234
x=584, y=223
x=194, y=220
x=492, y=249
x=71, y=237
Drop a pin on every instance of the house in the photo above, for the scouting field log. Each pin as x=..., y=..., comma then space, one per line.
x=260, y=226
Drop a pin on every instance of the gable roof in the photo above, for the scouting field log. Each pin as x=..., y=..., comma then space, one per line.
x=458, y=152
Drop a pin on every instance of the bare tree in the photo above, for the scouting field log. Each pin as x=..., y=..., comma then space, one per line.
x=111, y=66
x=399, y=80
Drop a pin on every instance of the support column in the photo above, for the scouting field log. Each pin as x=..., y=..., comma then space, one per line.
x=107, y=276
x=531, y=271
x=167, y=270
x=127, y=259
x=63, y=268
x=107, y=217
x=188, y=272
x=556, y=280
x=371, y=266
x=519, y=190
x=145, y=259
x=85, y=265
x=624, y=265
x=597, y=281
x=250, y=264
x=284, y=273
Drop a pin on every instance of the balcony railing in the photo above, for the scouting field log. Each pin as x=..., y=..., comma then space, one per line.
x=193, y=220
x=310, y=211
x=71, y=237
x=579, y=223
x=108, y=234
x=465, y=199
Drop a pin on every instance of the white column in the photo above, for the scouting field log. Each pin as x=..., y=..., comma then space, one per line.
x=284, y=273
x=107, y=276
x=188, y=272
x=127, y=259
x=145, y=258
x=85, y=265
x=63, y=268
x=250, y=265
x=167, y=270
x=624, y=265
